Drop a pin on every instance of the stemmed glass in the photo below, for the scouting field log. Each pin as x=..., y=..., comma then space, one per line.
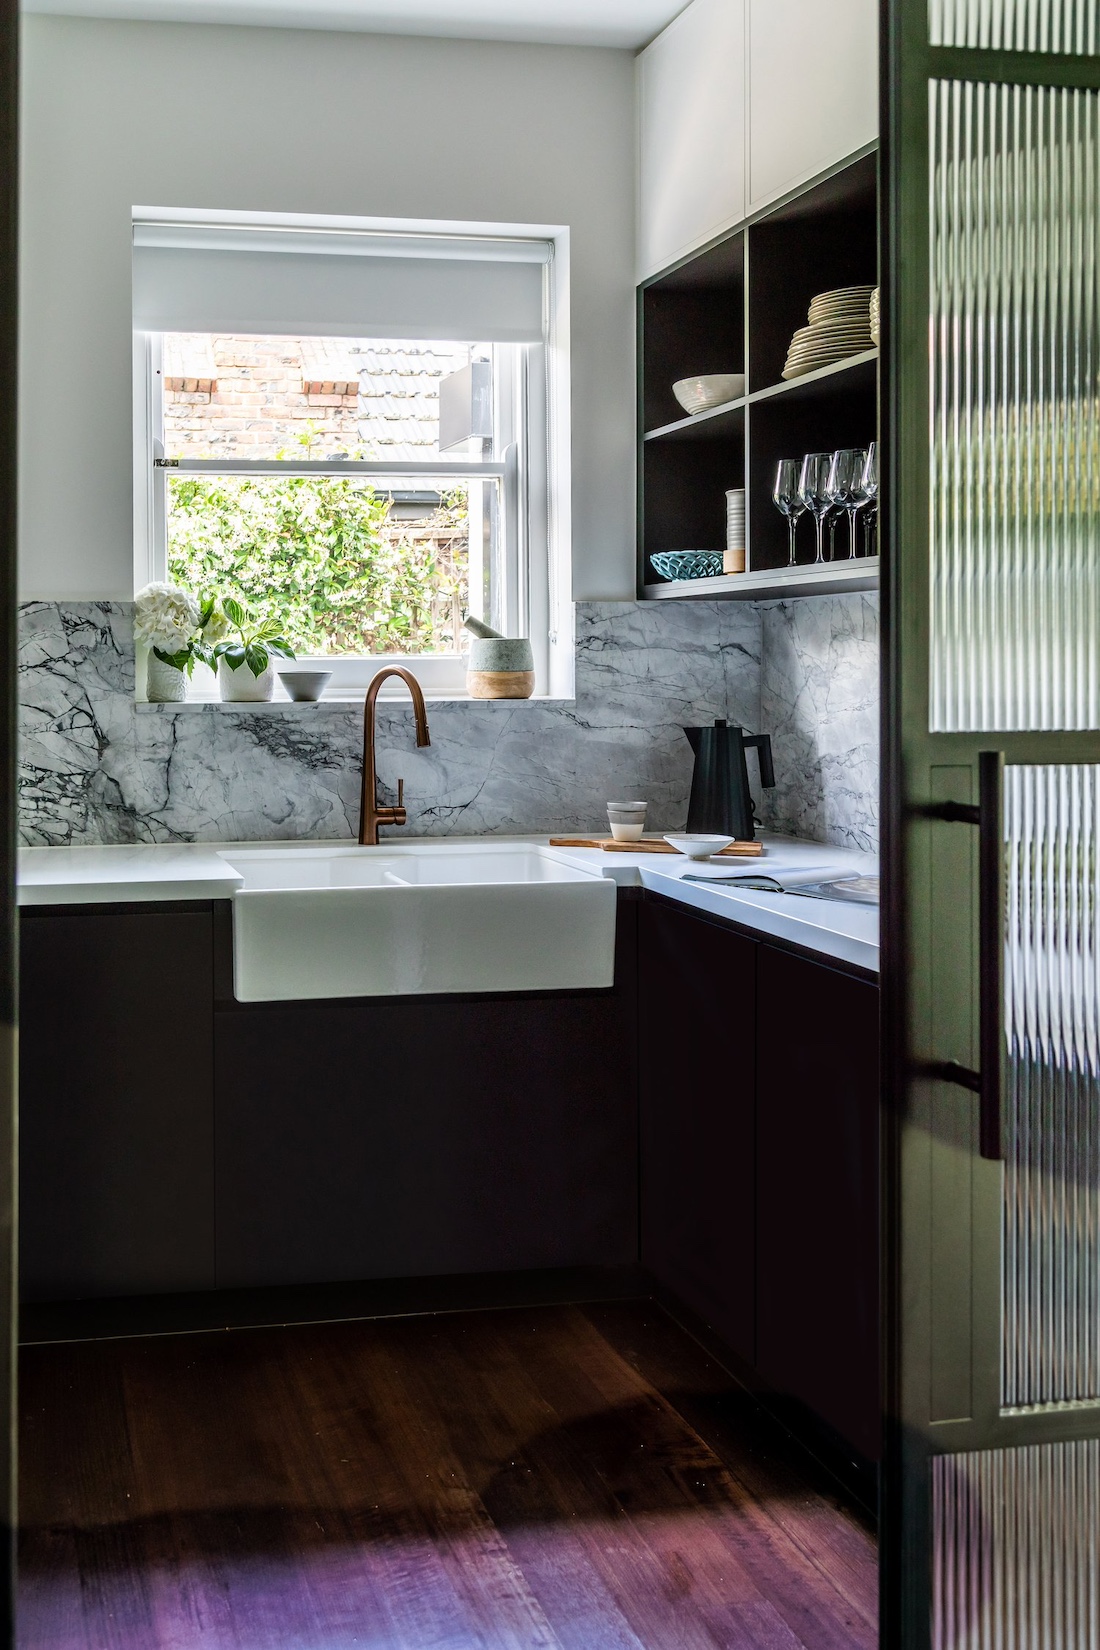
x=833, y=518
x=813, y=489
x=844, y=487
x=788, y=500
x=868, y=486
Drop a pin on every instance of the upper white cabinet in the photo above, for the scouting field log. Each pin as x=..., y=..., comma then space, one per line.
x=691, y=139
x=739, y=100
x=813, y=88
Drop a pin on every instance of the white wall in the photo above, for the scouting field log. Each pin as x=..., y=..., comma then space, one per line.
x=118, y=114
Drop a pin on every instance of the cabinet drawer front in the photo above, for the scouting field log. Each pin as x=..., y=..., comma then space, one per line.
x=817, y=1188
x=697, y=1033
x=116, y=1103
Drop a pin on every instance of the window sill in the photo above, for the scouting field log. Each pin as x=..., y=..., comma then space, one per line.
x=343, y=702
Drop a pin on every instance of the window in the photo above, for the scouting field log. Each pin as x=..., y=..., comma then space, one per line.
x=368, y=484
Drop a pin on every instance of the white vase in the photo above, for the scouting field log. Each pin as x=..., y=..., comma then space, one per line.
x=164, y=684
x=241, y=687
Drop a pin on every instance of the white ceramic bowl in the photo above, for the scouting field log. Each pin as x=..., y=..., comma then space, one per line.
x=699, y=847
x=305, y=686
x=698, y=395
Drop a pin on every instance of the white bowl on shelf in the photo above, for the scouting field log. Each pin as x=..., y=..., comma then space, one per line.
x=694, y=846
x=698, y=395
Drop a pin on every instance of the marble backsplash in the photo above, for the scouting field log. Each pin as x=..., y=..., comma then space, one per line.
x=96, y=767
x=819, y=700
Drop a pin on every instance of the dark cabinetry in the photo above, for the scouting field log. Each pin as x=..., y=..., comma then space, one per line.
x=759, y=1161
x=116, y=1150
x=362, y=1139
x=817, y=1192
x=418, y=1136
x=734, y=307
x=697, y=1136
x=403, y=1137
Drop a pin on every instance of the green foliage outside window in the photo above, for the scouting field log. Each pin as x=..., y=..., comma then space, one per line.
x=319, y=555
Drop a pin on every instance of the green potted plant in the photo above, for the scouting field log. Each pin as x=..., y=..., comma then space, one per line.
x=242, y=649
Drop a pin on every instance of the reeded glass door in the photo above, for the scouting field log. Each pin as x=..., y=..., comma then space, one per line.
x=991, y=410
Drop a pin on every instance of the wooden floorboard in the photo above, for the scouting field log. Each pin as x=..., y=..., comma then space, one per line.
x=582, y=1478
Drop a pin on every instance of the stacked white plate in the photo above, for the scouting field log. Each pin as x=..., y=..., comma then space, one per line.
x=840, y=325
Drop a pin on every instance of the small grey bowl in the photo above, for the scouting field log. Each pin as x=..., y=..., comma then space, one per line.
x=305, y=685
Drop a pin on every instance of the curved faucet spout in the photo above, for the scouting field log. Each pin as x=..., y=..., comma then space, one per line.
x=371, y=814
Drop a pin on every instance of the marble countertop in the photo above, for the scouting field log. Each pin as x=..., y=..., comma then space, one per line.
x=139, y=873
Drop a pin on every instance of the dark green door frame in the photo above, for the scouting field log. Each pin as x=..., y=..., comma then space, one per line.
x=941, y=1289
x=9, y=173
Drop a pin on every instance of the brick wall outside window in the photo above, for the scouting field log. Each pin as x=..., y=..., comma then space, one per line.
x=240, y=397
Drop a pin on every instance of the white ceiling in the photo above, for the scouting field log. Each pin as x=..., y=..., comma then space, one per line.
x=623, y=23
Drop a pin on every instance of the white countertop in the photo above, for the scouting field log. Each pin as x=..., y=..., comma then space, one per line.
x=847, y=933
x=126, y=872
x=193, y=871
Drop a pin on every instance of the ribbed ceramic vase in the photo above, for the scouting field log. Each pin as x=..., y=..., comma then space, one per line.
x=164, y=684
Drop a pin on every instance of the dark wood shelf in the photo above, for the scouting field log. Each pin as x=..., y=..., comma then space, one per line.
x=831, y=578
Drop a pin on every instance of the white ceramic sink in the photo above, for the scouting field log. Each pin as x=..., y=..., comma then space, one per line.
x=416, y=918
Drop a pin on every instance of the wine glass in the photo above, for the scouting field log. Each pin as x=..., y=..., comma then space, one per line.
x=833, y=517
x=813, y=490
x=788, y=500
x=844, y=487
x=869, y=489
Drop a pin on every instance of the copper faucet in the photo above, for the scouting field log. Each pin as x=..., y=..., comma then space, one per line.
x=370, y=814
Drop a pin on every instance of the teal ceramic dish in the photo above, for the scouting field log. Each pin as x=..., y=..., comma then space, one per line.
x=687, y=564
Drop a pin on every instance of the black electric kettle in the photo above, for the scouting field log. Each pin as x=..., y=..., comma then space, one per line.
x=720, y=801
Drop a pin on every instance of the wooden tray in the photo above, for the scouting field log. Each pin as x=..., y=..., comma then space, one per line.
x=650, y=845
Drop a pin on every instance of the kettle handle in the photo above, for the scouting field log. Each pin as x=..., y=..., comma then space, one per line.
x=762, y=743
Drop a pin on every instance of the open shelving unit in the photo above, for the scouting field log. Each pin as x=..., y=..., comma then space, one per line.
x=734, y=307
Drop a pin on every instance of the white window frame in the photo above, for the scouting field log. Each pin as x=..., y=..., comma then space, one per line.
x=531, y=589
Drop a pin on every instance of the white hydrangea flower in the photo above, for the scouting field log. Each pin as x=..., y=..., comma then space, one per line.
x=165, y=616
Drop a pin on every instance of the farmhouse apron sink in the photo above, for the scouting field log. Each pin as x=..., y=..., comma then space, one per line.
x=407, y=920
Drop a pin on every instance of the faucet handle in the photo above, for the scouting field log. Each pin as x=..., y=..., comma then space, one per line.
x=400, y=793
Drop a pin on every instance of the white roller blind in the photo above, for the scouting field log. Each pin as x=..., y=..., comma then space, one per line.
x=217, y=278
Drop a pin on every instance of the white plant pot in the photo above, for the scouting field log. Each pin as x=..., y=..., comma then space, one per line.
x=241, y=687
x=164, y=684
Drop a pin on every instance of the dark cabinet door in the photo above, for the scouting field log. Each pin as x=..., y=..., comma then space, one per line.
x=402, y=1137
x=116, y=1158
x=817, y=1190
x=696, y=1080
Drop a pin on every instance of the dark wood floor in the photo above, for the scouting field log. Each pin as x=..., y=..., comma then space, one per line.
x=556, y=1476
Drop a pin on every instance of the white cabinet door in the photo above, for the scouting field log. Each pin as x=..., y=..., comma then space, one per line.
x=691, y=141
x=813, y=88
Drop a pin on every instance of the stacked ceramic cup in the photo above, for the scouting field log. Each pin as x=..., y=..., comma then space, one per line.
x=734, y=559
x=627, y=820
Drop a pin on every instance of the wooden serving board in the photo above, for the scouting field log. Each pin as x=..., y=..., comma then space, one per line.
x=648, y=845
